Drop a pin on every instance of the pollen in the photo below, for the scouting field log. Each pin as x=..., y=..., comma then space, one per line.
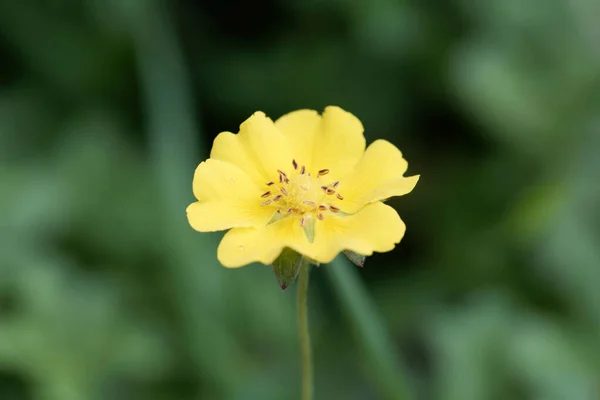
x=300, y=195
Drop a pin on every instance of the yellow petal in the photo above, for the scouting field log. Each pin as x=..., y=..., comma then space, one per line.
x=339, y=144
x=377, y=227
x=259, y=149
x=242, y=246
x=227, y=198
x=301, y=128
x=378, y=176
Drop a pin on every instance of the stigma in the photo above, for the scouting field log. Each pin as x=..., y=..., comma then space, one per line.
x=298, y=194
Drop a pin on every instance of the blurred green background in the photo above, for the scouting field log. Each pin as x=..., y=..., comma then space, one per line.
x=107, y=106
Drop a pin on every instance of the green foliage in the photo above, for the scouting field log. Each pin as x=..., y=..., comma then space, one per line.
x=106, y=107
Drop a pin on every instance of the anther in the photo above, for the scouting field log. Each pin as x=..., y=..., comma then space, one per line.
x=265, y=194
x=335, y=184
x=322, y=208
x=325, y=188
x=302, y=170
x=302, y=221
x=323, y=172
x=329, y=191
x=295, y=164
x=270, y=183
x=282, y=177
x=266, y=203
x=276, y=198
x=339, y=196
x=308, y=202
x=320, y=216
x=334, y=209
x=283, y=191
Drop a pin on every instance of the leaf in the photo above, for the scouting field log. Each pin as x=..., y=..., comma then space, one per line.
x=286, y=267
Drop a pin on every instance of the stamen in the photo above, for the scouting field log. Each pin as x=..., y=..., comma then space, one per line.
x=334, y=209
x=289, y=210
x=325, y=188
x=302, y=221
x=309, y=203
x=295, y=164
x=266, y=203
x=335, y=184
x=265, y=194
x=329, y=191
x=320, y=216
x=322, y=208
x=276, y=198
x=302, y=170
x=323, y=172
x=270, y=183
x=283, y=191
x=339, y=196
x=282, y=177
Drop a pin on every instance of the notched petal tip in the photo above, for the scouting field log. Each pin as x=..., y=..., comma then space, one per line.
x=411, y=182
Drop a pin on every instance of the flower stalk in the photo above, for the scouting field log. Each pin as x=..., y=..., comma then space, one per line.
x=303, y=333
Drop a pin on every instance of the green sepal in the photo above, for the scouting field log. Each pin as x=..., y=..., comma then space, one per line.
x=355, y=258
x=309, y=230
x=276, y=217
x=286, y=267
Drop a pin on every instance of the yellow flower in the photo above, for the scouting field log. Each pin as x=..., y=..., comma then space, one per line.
x=305, y=182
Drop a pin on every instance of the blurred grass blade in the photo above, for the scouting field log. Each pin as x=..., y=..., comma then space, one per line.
x=391, y=379
x=172, y=134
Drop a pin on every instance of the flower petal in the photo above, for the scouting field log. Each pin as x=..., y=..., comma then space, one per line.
x=242, y=246
x=340, y=143
x=377, y=227
x=259, y=149
x=378, y=176
x=301, y=129
x=227, y=198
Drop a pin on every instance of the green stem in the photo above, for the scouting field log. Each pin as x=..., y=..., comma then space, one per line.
x=306, y=356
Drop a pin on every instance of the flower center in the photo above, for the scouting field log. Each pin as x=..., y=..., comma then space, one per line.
x=301, y=195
